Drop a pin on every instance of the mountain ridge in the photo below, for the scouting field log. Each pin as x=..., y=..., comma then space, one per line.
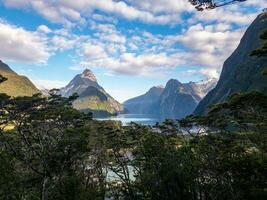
x=241, y=72
x=15, y=85
x=146, y=103
x=92, y=97
x=167, y=102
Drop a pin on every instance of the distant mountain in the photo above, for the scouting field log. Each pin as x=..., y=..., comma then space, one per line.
x=147, y=103
x=80, y=82
x=180, y=99
x=15, y=85
x=175, y=101
x=203, y=87
x=241, y=72
x=92, y=97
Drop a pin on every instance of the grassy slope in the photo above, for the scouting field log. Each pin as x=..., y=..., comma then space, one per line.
x=17, y=85
x=93, y=103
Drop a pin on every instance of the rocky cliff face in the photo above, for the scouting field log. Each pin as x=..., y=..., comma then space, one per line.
x=175, y=101
x=15, y=85
x=80, y=83
x=241, y=72
x=92, y=97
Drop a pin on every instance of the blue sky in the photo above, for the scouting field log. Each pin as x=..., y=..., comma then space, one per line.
x=130, y=45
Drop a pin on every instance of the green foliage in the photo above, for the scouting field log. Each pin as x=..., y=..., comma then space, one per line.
x=44, y=142
x=165, y=171
x=48, y=150
x=264, y=71
x=232, y=165
x=262, y=51
x=247, y=111
x=2, y=78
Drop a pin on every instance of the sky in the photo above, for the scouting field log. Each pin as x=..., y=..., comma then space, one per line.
x=130, y=45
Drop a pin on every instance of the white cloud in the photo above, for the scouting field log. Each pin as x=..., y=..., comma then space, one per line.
x=20, y=45
x=50, y=12
x=108, y=33
x=103, y=18
x=143, y=53
x=240, y=14
x=204, y=72
x=206, y=40
x=93, y=52
x=62, y=43
x=207, y=46
x=43, y=29
x=48, y=84
x=128, y=63
x=163, y=6
x=225, y=15
x=210, y=73
x=69, y=11
x=258, y=3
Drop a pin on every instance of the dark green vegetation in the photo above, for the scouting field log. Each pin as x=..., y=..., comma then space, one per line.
x=51, y=151
x=262, y=51
x=241, y=71
x=15, y=85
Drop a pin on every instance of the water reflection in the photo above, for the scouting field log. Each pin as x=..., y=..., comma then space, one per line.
x=137, y=118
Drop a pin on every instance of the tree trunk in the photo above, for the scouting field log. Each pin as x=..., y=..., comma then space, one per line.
x=43, y=188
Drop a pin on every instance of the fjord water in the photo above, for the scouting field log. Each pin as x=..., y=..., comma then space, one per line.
x=137, y=118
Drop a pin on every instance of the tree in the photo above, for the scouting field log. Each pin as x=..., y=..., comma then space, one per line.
x=202, y=5
x=49, y=141
x=262, y=51
x=2, y=79
x=242, y=112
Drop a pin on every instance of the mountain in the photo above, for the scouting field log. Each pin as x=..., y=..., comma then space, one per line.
x=92, y=97
x=241, y=72
x=145, y=104
x=180, y=99
x=175, y=101
x=80, y=82
x=203, y=87
x=15, y=85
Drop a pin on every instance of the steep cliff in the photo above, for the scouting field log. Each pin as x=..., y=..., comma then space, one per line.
x=241, y=72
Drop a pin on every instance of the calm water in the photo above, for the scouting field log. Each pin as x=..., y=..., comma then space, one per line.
x=137, y=118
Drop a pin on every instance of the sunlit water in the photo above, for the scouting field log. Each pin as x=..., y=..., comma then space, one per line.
x=137, y=118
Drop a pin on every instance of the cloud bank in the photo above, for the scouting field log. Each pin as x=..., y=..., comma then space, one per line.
x=204, y=41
